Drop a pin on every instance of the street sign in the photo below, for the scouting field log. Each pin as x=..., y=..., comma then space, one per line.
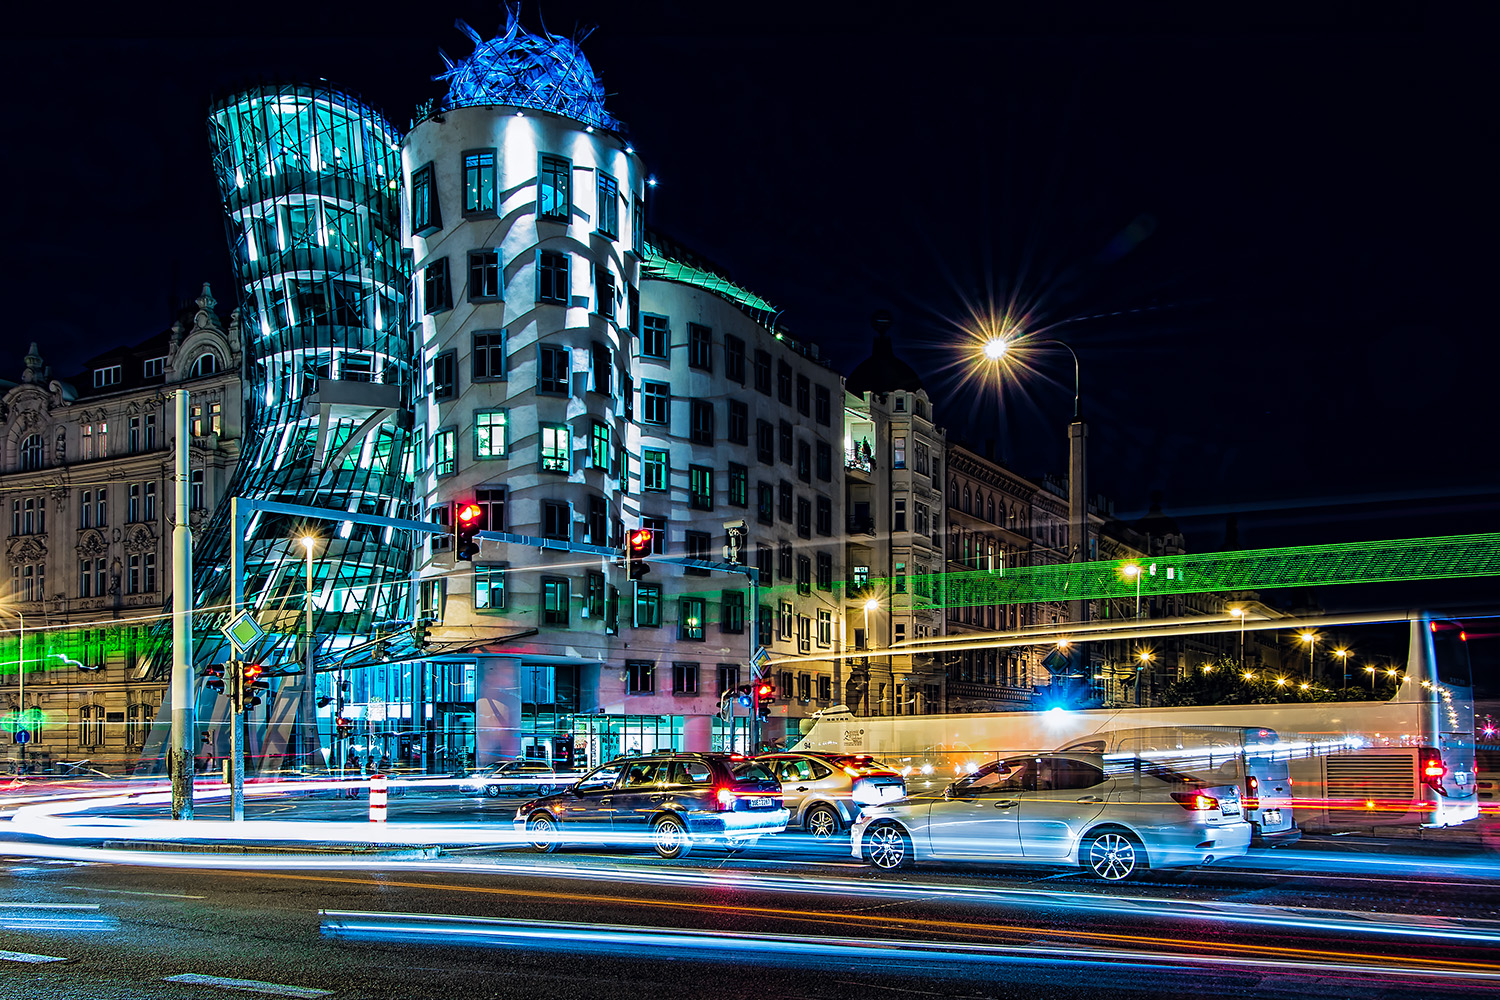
x=243, y=631
x=23, y=736
x=760, y=659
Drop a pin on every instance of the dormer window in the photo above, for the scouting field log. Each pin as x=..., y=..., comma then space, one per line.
x=154, y=367
x=106, y=376
x=206, y=364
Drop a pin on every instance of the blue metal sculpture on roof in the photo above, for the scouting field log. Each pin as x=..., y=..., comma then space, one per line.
x=545, y=72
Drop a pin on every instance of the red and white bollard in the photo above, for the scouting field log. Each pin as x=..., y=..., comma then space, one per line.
x=377, y=798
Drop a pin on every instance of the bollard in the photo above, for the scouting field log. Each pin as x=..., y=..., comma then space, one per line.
x=377, y=798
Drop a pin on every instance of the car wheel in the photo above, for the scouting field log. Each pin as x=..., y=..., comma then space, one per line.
x=822, y=823
x=543, y=829
x=493, y=791
x=887, y=846
x=543, y=790
x=1113, y=855
x=670, y=838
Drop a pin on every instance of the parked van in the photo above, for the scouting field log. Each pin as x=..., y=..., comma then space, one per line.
x=1248, y=758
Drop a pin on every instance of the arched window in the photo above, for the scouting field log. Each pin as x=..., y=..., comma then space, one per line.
x=206, y=364
x=968, y=501
x=990, y=517
x=954, y=501
x=33, y=453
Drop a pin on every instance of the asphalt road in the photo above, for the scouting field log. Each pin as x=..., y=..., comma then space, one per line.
x=791, y=918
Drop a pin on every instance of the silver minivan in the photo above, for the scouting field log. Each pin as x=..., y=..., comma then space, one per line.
x=1245, y=757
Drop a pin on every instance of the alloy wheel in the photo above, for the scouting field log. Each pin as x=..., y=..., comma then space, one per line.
x=1112, y=856
x=888, y=847
x=822, y=824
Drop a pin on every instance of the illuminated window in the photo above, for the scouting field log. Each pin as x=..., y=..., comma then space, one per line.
x=554, y=198
x=898, y=449
x=739, y=485
x=479, y=181
x=556, y=455
x=556, y=601
x=216, y=419
x=491, y=438
x=654, y=469
x=648, y=606
x=701, y=487
x=489, y=587
x=600, y=452
x=445, y=451
x=690, y=622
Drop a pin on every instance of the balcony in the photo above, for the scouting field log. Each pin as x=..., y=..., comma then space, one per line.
x=861, y=525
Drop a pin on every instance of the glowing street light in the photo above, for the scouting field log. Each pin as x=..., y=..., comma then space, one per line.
x=1311, y=638
x=871, y=605
x=1240, y=614
x=1132, y=571
x=1145, y=657
x=1343, y=655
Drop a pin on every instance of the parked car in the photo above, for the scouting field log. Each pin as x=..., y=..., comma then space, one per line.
x=824, y=793
x=511, y=779
x=1060, y=809
x=673, y=800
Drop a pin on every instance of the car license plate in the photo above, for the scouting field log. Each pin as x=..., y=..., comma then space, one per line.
x=760, y=803
x=1461, y=777
x=1272, y=817
x=890, y=792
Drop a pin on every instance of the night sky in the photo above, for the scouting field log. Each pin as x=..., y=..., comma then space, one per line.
x=1265, y=239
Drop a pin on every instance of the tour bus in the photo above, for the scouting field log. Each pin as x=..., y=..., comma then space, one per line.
x=1253, y=759
x=1353, y=764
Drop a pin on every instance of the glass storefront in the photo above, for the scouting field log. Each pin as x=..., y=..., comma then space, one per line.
x=598, y=738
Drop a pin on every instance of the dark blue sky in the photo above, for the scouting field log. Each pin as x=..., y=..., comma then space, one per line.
x=1278, y=224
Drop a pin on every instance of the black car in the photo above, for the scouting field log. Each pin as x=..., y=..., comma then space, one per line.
x=671, y=800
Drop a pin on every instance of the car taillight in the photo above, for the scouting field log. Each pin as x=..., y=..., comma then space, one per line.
x=851, y=772
x=1195, y=801
x=1252, y=792
x=1433, y=768
x=726, y=799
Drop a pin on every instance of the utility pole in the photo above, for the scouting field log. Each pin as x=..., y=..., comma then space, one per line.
x=183, y=745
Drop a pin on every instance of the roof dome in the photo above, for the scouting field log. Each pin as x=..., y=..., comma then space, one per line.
x=546, y=72
x=882, y=371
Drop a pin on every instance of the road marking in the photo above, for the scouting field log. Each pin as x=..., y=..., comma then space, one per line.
x=131, y=892
x=247, y=985
x=21, y=956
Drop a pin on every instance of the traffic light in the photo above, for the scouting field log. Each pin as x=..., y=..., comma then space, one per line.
x=465, y=526
x=251, y=686
x=637, y=548
x=765, y=692
x=746, y=695
x=213, y=677
x=345, y=729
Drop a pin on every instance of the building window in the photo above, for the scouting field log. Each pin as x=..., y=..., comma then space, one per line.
x=154, y=368
x=648, y=605
x=552, y=277
x=804, y=461
x=684, y=678
x=490, y=433
x=206, y=364
x=594, y=594
x=732, y=611
x=445, y=451
x=804, y=395
x=33, y=452
x=600, y=452
x=763, y=625
x=132, y=503
x=484, y=276
x=739, y=485
x=441, y=513
x=898, y=584
x=609, y=206
x=765, y=442
x=765, y=503
x=898, y=515
x=601, y=367
x=898, y=453
x=696, y=544
x=216, y=419
x=656, y=336
x=804, y=517
x=479, y=181
x=739, y=422
x=700, y=487
x=107, y=376
x=149, y=513
x=804, y=637
x=445, y=375
x=734, y=359
x=825, y=461
x=785, y=560
x=554, y=198
x=150, y=432
x=195, y=494
x=825, y=571
x=640, y=677
x=654, y=469
x=690, y=620
x=700, y=347
x=491, y=503
x=784, y=501
x=701, y=424
x=786, y=620
x=784, y=435
x=135, y=434
x=556, y=601
x=822, y=406
x=489, y=355
x=604, y=291
x=557, y=520
x=655, y=397
x=437, y=290
x=91, y=726
x=825, y=516
x=196, y=417
x=137, y=724
x=763, y=372
x=554, y=366
x=425, y=217
x=784, y=382
x=556, y=448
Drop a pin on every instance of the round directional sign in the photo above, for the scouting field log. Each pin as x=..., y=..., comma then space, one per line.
x=23, y=736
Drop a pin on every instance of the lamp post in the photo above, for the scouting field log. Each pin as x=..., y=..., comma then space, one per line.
x=1145, y=658
x=309, y=680
x=1133, y=572
x=870, y=605
x=1240, y=614
x=20, y=685
x=1371, y=672
x=1311, y=638
x=1343, y=655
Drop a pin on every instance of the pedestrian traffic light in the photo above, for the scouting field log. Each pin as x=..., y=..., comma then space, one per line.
x=213, y=677
x=638, y=546
x=465, y=527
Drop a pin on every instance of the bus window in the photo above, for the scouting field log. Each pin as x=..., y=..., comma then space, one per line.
x=1452, y=655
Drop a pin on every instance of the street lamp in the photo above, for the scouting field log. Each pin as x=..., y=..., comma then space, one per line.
x=309, y=682
x=1145, y=657
x=1311, y=638
x=1240, y=614
x=1132, y=571
x=1343, y=655
x=1371, y=671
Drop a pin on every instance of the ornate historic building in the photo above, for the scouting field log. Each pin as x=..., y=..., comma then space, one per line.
x=89, y=476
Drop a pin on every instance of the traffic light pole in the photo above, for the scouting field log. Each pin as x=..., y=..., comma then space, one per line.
x=237, y=740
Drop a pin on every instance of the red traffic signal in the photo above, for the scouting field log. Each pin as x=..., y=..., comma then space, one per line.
x=213, y=677
x=638, y=546
x=765, y=691
x=466, y=525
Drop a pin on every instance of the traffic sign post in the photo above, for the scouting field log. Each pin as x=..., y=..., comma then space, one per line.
x=23, y=736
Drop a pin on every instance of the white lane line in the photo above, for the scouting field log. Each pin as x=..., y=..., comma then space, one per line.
x=21, y=956
x=132, y=892
x=248, y=985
